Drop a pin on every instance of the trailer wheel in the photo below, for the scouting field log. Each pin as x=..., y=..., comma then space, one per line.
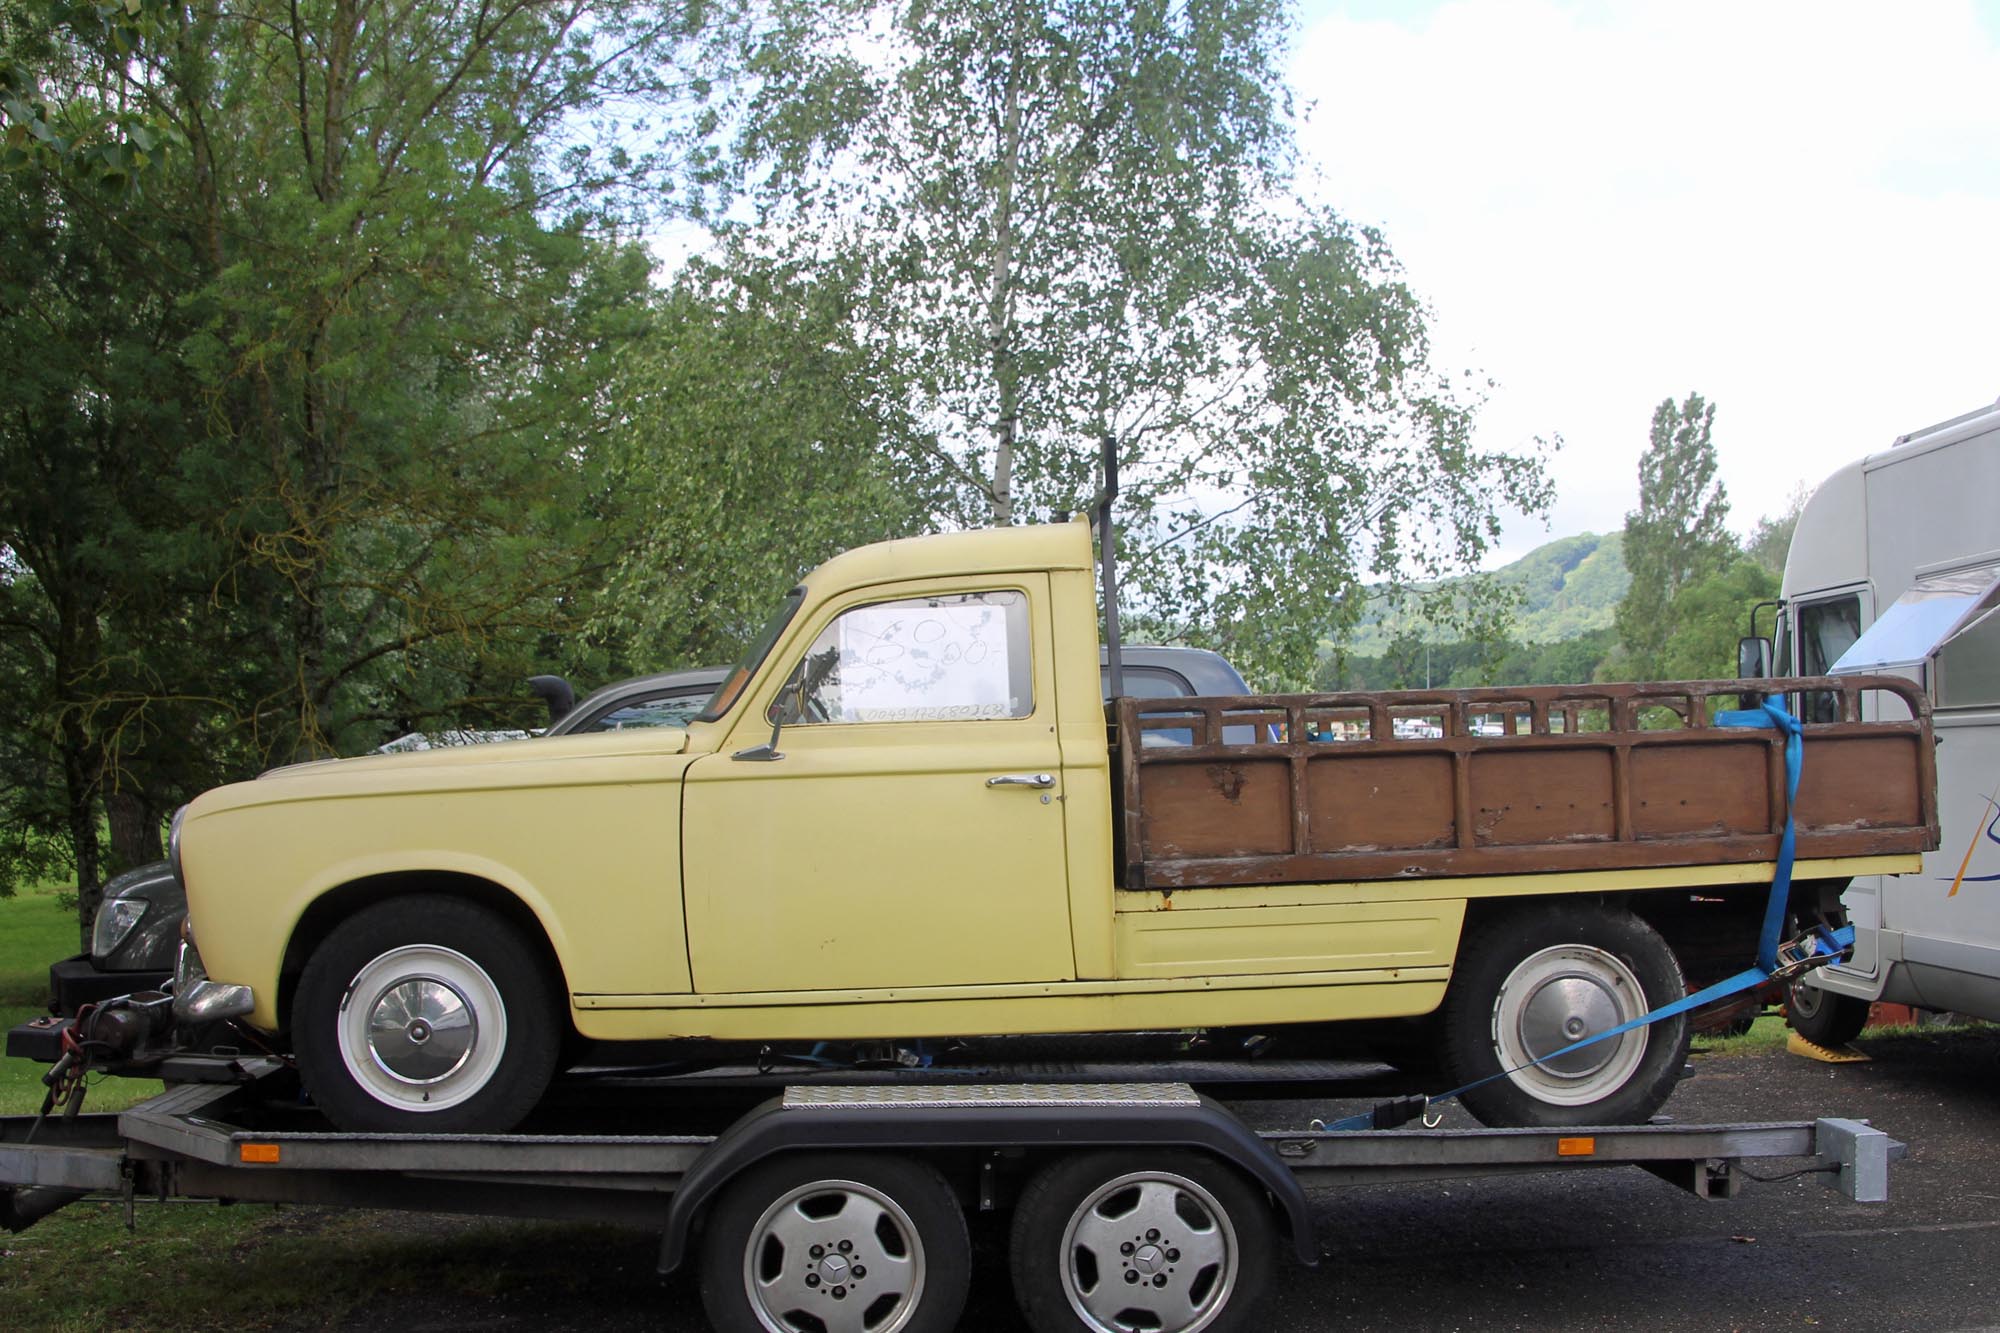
x=1530, y=983
x=1824, y=1017
x=426, y=1014
x=1118, y=1241
x=836, y=1242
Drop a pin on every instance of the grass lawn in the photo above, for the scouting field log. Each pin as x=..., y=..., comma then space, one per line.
x=1768, y=1032
x=36, y=930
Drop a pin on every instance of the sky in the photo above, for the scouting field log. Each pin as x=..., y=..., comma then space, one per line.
x=1792, y=209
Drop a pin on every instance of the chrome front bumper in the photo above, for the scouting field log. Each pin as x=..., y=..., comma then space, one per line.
x=199, y=1000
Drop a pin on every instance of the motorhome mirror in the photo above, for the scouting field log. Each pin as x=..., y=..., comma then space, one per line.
x=1753, y=658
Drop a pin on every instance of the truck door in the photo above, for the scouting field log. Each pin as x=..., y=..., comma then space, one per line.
x=909, y=833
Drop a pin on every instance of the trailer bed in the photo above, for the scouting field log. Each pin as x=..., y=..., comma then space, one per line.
x=226, y=1141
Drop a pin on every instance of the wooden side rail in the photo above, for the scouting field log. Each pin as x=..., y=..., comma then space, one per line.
x=1265, y=789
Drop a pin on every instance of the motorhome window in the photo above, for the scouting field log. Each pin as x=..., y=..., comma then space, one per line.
x=1968, y=665
x=962, y=657
x=1826, y=630
x=1934, y=609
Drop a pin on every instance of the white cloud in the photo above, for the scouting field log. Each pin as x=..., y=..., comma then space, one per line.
x=1791, y=208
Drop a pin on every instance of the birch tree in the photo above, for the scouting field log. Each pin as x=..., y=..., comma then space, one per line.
x=1078, y=222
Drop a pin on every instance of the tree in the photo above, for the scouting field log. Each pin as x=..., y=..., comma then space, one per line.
x=90, y=605
x=61, y=107
x=1709, y=616
x=1677, y=535
x=746, y=452
x=1077, y=223
x=308, y=442
x=1771, y=541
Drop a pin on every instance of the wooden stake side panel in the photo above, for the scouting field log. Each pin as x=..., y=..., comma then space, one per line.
x=1273, y=789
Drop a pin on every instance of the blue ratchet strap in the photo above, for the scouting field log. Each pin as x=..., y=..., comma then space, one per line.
x=1825, y=942
x=1773, y=714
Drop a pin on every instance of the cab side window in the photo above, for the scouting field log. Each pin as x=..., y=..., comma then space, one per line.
x=951, y=658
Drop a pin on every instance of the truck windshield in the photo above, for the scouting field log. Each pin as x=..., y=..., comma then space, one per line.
x=760, y=648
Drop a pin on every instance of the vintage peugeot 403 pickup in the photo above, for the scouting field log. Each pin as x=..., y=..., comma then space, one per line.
x=908, y=813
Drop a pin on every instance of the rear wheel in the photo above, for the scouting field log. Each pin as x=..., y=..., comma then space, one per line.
x=426, y=1014
x=836, y=1243
x=1824, y=1017
x=1113, y=1242
x=1532, y=982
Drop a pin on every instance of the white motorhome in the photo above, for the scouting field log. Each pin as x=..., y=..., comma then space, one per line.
x=1895, y=568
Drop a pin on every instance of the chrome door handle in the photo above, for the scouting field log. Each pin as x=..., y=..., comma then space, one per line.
x=1042, y=781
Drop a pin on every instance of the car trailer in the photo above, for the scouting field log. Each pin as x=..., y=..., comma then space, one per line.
x=842, y=1205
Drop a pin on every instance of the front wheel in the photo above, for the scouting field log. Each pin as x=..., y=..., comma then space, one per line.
x=1532, y=982
x=427, y=1014
x=1824, y=1017
x=1121, y=1241
x=836, y=1243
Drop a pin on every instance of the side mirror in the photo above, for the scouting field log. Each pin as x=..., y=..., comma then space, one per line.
x=1753, y=659
x=782, y=709
x=556, y=693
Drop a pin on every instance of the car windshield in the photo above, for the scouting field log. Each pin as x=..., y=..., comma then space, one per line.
x=739, y=675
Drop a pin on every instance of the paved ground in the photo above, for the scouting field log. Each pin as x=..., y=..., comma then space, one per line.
x=1620, y=1250
x=1615, y=1249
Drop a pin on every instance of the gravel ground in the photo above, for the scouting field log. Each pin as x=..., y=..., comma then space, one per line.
x=1612, y=1249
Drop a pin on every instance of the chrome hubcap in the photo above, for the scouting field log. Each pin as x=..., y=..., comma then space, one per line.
x=1567, y=1009
x=1556, y=997
x=421, y=1030
x=422, y=1027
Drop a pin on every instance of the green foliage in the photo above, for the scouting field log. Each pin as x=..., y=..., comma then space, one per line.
x=1677, y=535
x=1410, y=659
x=89, y=596
x=75, y=116
x=1771, y=540
x=746, y=452
x=1067, y=224
x=1708, y=618
x=1561, y=590
x=303, y=447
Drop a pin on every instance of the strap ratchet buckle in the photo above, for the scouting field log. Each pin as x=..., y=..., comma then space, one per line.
x=1811, y=949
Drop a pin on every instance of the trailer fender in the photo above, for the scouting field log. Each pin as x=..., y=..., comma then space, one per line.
x=829, y=1118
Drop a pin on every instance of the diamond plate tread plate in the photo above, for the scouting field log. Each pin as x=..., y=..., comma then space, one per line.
x=939, y=1096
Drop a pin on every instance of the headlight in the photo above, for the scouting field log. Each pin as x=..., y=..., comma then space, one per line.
x=115, y=920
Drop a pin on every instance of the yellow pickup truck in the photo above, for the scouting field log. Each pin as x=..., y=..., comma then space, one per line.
x=908, y=813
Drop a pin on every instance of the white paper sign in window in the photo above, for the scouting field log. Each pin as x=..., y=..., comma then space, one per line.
x=933, y=659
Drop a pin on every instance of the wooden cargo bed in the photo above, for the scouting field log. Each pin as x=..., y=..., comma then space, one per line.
x=1331, y=787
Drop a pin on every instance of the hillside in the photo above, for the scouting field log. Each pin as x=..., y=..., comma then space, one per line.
x=1569, y=587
